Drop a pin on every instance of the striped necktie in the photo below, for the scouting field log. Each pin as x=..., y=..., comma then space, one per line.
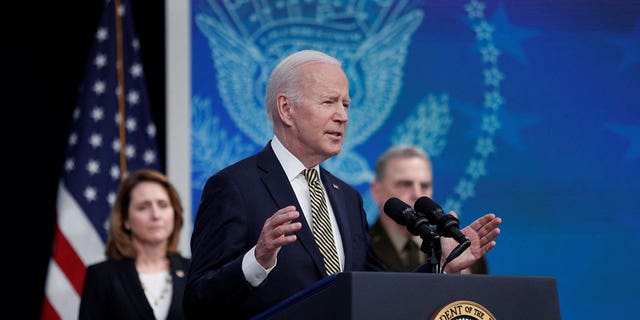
x=321, y=224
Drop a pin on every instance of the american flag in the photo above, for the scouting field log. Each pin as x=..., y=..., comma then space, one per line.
x=112, y=134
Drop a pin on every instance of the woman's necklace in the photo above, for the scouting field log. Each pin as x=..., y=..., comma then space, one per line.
x=163, y=292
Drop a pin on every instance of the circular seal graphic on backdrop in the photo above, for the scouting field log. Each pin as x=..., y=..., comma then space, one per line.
x=463, y=310
x=246, y=39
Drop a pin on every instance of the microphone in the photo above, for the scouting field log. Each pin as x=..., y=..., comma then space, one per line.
x=403, y=214
x=447, y=225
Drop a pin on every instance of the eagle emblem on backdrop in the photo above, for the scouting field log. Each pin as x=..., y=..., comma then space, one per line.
x=246, y=39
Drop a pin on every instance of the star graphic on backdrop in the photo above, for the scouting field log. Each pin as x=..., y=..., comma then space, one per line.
x=632, y=133
x=510, y=124
x=630, y=47
x=509, y=37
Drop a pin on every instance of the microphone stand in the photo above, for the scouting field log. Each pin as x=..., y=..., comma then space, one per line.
x=431, y=246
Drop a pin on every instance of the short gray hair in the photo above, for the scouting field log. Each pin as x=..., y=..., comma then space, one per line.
x=286, y=76
x=395, y=152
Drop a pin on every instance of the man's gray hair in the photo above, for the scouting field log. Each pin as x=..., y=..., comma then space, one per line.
x=395, y=152
x=286, y=77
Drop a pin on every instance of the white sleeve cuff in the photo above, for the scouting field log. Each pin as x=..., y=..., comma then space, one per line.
x=253, y=271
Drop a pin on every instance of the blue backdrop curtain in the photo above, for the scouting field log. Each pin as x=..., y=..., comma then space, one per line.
x=529, y=109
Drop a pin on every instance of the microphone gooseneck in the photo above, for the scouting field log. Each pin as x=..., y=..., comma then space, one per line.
x=446, y=224
x=419, y=225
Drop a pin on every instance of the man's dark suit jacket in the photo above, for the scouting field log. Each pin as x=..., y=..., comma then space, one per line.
x=112, y=290
x=234, y=205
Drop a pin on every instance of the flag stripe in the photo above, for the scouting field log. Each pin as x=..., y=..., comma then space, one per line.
x=61, y=295
x=76, y=227
x=48, y=312
x=68, y=260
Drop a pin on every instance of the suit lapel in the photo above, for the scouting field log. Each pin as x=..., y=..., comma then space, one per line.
x=131, y=282
x=276, y=182
x=178, y=278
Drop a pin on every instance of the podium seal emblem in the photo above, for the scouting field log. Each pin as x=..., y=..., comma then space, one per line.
x=463, y=310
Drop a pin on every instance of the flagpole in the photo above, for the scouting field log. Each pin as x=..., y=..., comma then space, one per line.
x=120, y=90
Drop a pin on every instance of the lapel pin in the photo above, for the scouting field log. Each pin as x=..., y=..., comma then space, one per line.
x=335, y=186
x=180, y=273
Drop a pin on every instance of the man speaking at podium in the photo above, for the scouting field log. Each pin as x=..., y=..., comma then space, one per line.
x=274, y=223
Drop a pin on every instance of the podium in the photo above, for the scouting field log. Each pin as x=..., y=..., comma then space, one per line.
x=409, y=295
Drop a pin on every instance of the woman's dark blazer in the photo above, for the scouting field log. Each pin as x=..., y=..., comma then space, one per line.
x=112, y=290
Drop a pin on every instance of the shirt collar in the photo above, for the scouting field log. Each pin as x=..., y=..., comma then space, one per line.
x=291, y=165
x=399, y=240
